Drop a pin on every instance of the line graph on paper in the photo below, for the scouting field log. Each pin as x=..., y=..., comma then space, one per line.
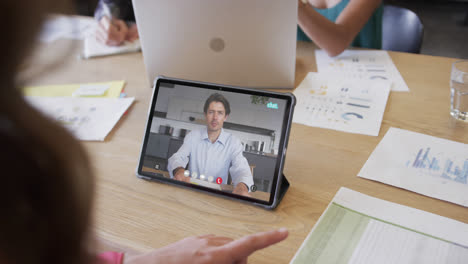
x=425, y=161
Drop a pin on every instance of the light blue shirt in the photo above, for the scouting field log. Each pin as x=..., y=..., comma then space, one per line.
x=213, y=159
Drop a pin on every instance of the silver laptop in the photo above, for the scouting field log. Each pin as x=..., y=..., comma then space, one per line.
x=249, y=43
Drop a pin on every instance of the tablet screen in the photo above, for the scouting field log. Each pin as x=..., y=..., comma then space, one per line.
x=215, y=138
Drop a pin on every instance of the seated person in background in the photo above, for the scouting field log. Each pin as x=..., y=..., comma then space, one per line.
x=48, y=184
x=116, y=22
x=334, y=25
x=213, y=151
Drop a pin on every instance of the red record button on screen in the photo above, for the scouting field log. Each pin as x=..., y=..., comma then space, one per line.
x=219, y=180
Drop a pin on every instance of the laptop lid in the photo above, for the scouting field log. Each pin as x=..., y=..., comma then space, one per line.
x=249, y=43
x=244, y=160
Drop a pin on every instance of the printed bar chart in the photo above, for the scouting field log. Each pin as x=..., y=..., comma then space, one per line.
x=426, y=162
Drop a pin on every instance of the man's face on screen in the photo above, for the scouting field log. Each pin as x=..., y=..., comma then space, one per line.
x=215, y=116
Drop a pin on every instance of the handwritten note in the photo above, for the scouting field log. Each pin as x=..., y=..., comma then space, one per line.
x=93, y=48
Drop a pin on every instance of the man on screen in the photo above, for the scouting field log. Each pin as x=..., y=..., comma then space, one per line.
x=213, y=152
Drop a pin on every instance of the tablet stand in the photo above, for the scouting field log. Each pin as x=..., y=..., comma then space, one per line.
x=283, y=188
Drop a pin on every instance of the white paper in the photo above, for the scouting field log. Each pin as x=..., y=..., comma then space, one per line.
x=424, y=164
x=91, y=90
x=344, y=104
x=70, y=27
x=356, y=228
x=362, y=64
x=93, y=48
x=87, y=118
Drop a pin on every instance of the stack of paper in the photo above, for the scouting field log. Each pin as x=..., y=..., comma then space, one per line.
x=101, y=89
x=344, y=104
x=360, y=229
x=93, y=48
x=89, y=111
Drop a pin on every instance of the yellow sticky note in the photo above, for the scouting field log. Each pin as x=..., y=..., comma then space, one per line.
x=64, y=90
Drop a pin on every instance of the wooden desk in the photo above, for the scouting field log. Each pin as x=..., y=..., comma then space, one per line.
x=140, y=215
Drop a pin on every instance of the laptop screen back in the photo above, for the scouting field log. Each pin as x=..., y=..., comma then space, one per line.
x=248, y=43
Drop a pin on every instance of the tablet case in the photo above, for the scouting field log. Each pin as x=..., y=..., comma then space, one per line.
x=282, y=186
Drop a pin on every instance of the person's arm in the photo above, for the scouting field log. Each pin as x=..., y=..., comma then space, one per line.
x=110, y=257
x=112, y=29
x=241, y=189
x=240, y=170
x=178, y=161
x=209, y=249
x=179, y=174
x=334, y=38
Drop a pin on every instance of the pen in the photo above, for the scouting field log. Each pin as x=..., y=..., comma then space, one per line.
x=106, y=11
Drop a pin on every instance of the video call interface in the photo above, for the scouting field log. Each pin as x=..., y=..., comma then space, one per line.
x=217, y=139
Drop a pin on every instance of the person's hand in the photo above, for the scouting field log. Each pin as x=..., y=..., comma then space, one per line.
x=112, y=32
x=132, y=33
x=179, y=175
x=208, y=249
x=241, y=189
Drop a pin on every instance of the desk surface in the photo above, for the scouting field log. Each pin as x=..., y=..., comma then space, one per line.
x=140, y=215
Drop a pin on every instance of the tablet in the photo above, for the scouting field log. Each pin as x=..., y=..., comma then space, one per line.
x=223, y=140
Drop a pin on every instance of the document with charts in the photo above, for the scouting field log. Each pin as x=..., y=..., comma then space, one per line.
x=360, y=229
x=362, y=64
x=424, y=164
x=87, y=118
x=344, y=104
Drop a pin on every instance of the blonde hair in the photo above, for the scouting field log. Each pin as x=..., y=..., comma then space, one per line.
x=47, y=186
